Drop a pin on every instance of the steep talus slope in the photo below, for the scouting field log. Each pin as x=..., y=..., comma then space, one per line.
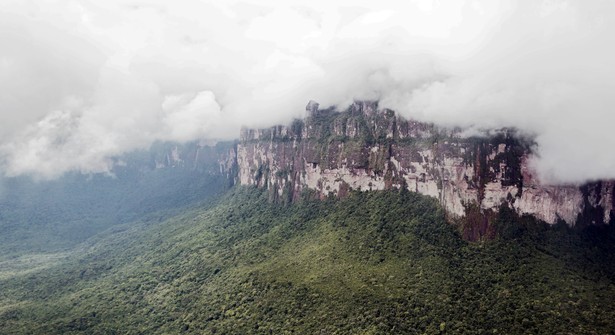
x=371, y=263
x=332, y=152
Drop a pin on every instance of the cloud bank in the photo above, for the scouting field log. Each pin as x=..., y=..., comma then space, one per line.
x=84, y=81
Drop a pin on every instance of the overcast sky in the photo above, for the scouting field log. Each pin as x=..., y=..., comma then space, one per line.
x=83, y=81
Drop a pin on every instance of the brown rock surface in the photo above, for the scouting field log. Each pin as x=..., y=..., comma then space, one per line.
x=365, y=148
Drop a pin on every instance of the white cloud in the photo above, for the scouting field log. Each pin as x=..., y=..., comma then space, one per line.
x=190, y=117
x=82, y=81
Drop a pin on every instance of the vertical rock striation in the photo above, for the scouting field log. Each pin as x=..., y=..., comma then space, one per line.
x=364, y=148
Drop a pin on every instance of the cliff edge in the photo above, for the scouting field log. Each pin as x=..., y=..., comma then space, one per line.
x=332, y=152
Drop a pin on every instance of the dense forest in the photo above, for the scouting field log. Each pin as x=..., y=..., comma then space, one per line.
x=372, y=263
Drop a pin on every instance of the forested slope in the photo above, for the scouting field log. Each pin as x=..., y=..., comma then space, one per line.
x=373, y=263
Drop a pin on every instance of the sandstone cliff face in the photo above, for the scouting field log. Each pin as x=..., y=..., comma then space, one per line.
x=365, y=148
x=217, y=159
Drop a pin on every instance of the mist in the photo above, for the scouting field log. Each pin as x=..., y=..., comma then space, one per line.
x=82, y=82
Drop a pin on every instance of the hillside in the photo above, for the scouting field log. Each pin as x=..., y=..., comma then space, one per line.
x=372, y=263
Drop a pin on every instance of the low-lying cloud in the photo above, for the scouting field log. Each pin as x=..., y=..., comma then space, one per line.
x=84, y=81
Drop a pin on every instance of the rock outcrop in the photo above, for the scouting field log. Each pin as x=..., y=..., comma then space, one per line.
x=333, y=152
x=208, y=158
